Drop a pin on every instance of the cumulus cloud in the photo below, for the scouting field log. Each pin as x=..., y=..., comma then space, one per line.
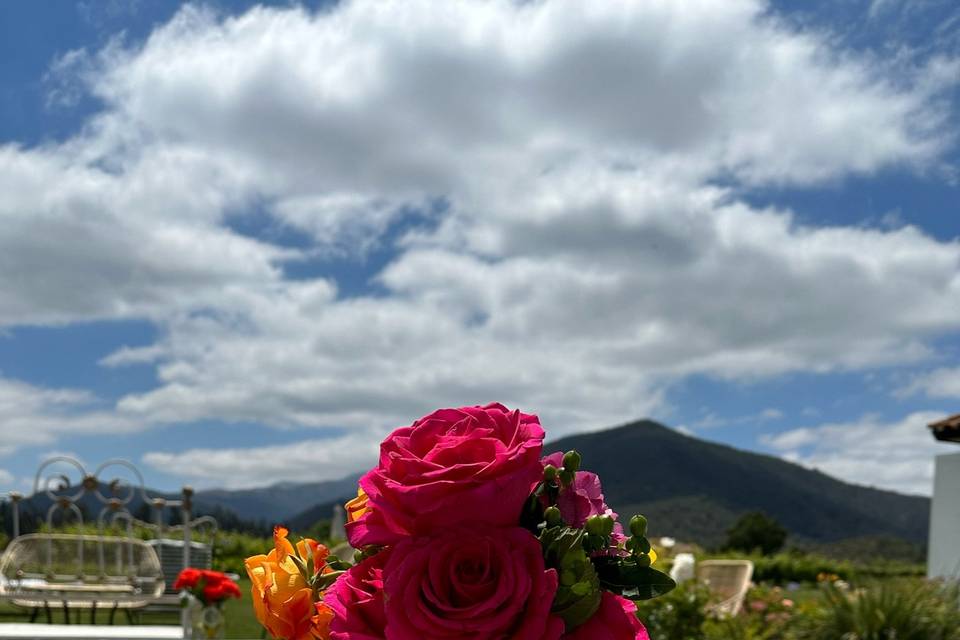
x=584, y=257
x=894, y=455
x=32, y=415
x=81, y=242
x=317, y=459
x=943, y=382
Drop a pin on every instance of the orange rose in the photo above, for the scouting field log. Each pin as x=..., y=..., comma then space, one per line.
x=283, y=599
x=357, y=507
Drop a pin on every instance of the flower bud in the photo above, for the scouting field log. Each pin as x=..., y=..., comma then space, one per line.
x=595, y=525
x=571, y=461
x=638, y=526
x=552, y=516
x=608, y=523
x=549, y=473
x=566, y=477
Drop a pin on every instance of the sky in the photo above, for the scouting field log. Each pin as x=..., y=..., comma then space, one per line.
x=240, y=243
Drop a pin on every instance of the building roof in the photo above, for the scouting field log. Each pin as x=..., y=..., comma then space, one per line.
x=947, y=430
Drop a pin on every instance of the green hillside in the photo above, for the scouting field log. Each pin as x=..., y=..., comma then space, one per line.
x=690, y=489
x=694, y=489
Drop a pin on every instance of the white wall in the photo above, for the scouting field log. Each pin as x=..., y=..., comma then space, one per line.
x=944, y=558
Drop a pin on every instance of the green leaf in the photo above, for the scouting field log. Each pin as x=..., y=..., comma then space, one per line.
x=630, y=579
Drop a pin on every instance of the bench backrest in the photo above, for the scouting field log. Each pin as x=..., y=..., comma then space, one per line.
x=79, y=570
x=728, y=581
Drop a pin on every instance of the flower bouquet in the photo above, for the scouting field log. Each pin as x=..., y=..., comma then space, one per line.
x=204, y=592
x=465, y=530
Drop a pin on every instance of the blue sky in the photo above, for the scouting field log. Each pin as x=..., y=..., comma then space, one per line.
x=241, y=242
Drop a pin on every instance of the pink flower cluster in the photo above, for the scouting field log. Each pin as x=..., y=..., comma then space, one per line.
x=446, y=555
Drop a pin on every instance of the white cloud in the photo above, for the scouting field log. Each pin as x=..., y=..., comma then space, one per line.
x=81, y=242
x=31, y=415
x=6, y=478
x=310, y=460
x=891, y=455
x=712, y=420
x=938, y=383
x=582, y=263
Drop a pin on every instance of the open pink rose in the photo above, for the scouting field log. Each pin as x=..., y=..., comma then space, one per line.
x=583, y=498
x=470, y=582
x=616, y=619
x=473, y=464
x=357, y=601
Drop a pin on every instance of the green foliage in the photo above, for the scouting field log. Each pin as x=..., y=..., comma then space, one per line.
x=756, y=531
x=784, y=568
x=233, y=548
x=867, y=549
x=740, y=628
x=891, y=610
x=578, y=596
x=319, y=530
x=895, y=609
x=679, y=615
x=768, y=614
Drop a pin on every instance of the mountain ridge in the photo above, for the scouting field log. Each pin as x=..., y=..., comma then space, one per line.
x=689, y=488
x=695, y=489
x=682, y=478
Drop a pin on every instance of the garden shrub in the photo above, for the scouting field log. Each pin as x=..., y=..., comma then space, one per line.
x=784, y=568
x=232, y=548
x=756, y=532
x=678, y=615
x=889, y=610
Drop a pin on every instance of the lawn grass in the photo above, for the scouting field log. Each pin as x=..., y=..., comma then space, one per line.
x=241, y=623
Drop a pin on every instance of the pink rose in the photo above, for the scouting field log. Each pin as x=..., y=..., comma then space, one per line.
x=357, y=601
x=583, y=498
x=616, y=619
x=471, y=582
x=473, y=464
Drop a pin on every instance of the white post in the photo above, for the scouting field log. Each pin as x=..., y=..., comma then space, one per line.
x=337, y=523
x=944, y=555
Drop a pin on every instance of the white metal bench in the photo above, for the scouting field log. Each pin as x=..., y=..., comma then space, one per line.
x=79, y=572
x=728, y=581
x=87, y=572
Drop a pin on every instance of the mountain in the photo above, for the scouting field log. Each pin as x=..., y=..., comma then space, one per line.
x=277, y=503
x=689, y=489
x=307, y=518
x=694, y=490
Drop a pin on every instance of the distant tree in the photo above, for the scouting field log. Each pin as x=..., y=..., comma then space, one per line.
x=319, y=530
x=144, y=512
x=3, y=524
x=754, y=531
